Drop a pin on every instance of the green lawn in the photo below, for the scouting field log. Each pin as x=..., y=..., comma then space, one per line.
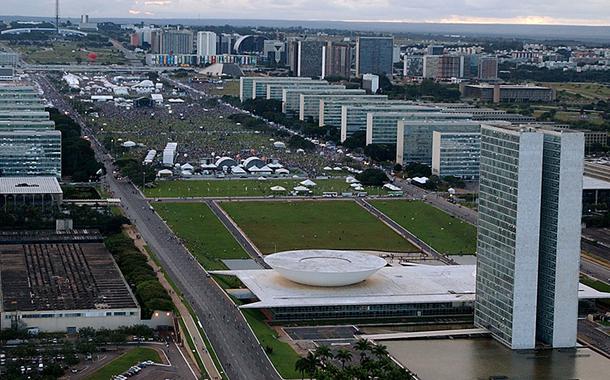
x=283, y=356
x=124, y=362
x=70, y=52
x=595, y=284
x=443, y=232
x=340, y=224
x=243, y=187
x=205, y=236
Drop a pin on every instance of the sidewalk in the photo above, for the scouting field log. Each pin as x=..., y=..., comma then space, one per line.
x=189, y=322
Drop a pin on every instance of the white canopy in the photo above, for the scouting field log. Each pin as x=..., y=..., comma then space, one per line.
x=337, y=169
x=164, y=172
x=328, y=168
x=282, y=171
x=265, y=169
x=278, y=188
x=308, y=183
x=351, y=179
x=237, y=170
x=300, y=189
x=354, y=185
x=187, y=166
x=391, y=187
x=129, y=144
x=262, y=178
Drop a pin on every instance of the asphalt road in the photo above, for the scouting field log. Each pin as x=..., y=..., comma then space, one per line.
x=236, y=346
x=591, y=334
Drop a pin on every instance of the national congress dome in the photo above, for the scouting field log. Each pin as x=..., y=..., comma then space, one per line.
x=325, y=267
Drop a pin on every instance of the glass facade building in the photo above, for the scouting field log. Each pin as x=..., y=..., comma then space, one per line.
x=310, y=103
x=456, y=154
x=374, y=55
x=330, y=109
x=414, y=136
x=527, y=272
x=275, y=91
x=381, y=128
x=247, y=83
x=291, y=97
x=30, y=153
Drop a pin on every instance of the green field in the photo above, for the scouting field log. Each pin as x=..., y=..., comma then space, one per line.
x=586, y=90
x=205, y=236
x=230, y=87
x=283, y=356
x=124, y=362
x=443, y=232
x=284, y=225
x=68, y=53
x=243, y=187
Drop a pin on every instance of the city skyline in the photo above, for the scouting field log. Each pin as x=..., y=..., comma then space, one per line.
x=589, y=12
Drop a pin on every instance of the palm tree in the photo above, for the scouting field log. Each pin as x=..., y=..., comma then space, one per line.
x=363, y=345
x=308, y=364
x=323, y=352
x=343, y=356
x=380, y=351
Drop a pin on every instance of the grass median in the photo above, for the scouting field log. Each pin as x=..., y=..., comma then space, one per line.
x=204, y=235
x=440, y=230
x=340, y=224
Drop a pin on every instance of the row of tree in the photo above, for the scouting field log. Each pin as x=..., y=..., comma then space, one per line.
x=369, y=361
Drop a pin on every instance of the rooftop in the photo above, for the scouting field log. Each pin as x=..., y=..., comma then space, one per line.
x=61, y=276
x=390, y=285
x=29, y=185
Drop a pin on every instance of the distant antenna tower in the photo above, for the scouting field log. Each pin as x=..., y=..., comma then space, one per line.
x=57, y=16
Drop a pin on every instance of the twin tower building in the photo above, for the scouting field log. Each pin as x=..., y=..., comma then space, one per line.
x=529, y=231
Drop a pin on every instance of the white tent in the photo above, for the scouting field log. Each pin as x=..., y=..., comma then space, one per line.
x=301, y=151
x=186, y=173
x=328, y=168
x=128, y=144
x=187, y=166
x=262, y=178
x=391, y=187
x=276, y=165
x=237, y=170
x=351, y=179
x=278, y=188
x=337, y=169
x=354, y=185
x=164, y=173
x=300, y=189
x=282, y=171
x=359, y=188
x=420, y=180
x=265, y=169
x=308, y=183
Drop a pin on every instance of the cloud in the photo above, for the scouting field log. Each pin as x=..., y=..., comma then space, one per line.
x=587, y=12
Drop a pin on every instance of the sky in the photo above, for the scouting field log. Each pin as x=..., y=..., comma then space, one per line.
x=554, y=12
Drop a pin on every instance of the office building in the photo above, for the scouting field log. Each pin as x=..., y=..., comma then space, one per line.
x=309, y=58
x=246, y=84
x=374, y=55
x=414, y=136
x=381, y=126
x=504, y=93
x=291, y=96
x=12, y=125
x=62, y=283
x=309, y=106
x=226, y=43
x=529, y=235
x=30, y=153
x=206, y=43
x=275, y=52
x=19, y=192
x=435, y=50
x=330, y=108
x=337, y=60
x=172, y=42
x=445, y=66
x=7, y=73
x=456, y=154
x=413, y=66
x=354, y=116
x=24, y=115
x=260, y=89
x=275, y=90
x=370, y=82
x=86, y=24
x=488, y=68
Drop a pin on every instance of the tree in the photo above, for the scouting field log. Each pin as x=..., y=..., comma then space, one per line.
x=381, y=152
x=356, y=140
x=380, y=351
x=363, y=346
x=343, y=356
x=307, y=365
x=323, y=352
x=372, y=177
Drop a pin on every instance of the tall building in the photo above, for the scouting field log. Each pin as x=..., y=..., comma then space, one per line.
x=310, y=58
x=275, y=52
x=206, y=44
x=456, y=154
x=337, y=59
x=488, y=68
x=413, y=66
x=435, y=50
x=529, y=235
x=30, y=153
x=374, y=55
x=172, y=42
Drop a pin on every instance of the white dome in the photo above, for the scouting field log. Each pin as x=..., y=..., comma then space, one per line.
x=325, y=267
